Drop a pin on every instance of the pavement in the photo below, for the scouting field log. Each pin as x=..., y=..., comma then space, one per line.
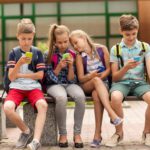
x=133, y=128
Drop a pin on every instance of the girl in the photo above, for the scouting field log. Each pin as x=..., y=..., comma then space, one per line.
x=92, y=75
x=61, y=81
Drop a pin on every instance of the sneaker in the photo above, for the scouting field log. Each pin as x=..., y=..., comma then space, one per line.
x=95, y=143
x=114, y=140
x=146, y=139
x=117, y=121
x=24, y=139
x=34, y=145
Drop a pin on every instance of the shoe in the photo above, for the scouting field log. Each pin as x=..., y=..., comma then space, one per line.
x=63, y=145
x=114, y=140
x=117, y=121
x=95, y=143
x=146, y=139
x=24, y=139
x=34, y=145
x=78, y=144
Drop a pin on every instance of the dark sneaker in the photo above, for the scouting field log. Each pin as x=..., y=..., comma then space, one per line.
x=34, y=145
x=24, y=139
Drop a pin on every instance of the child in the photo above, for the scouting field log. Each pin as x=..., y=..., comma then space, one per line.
x=129, y=76
x=61, y=80
x=24, y=83
x=92, y=81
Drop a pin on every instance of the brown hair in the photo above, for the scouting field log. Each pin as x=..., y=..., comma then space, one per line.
x=128, y=22
x=81, y=33
x=25, y=26
x=55, y=30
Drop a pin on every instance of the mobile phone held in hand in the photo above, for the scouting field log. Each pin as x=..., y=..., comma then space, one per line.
x=29, y=55
x=100, y=69
x=137, y=58
x=66, y=56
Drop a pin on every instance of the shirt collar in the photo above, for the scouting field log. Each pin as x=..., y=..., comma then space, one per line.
x=135, y=45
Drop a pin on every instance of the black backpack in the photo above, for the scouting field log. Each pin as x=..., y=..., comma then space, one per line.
x=18, y=54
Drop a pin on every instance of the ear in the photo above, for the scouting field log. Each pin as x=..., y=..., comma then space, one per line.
x=120, y=31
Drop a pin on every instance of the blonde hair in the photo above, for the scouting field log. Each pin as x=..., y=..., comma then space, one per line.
x=128, y=22
x=55, y=30
x=25, y=26
x=81, y=33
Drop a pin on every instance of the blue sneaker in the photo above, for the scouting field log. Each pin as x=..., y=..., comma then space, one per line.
x=95, y=143
x=117, y=121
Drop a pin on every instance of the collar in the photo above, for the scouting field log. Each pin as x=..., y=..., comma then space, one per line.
x=135, y=45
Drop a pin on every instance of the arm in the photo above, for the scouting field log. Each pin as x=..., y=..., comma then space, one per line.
x=13, y=72
x=80, y=71
x=118, y=74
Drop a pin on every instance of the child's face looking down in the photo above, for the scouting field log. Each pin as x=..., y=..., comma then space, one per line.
x=130, y=37
x=79, y=43
x=62, y=42
x=25, y=41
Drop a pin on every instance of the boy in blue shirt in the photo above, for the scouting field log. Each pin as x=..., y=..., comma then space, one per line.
x=24, y=83
x=129, y=76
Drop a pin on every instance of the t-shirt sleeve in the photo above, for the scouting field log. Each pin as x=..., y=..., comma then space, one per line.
x=113, y=57
x=40, y=66
x=11, y=60
x=147, y=54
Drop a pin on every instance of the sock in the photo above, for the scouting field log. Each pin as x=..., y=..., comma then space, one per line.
x=36, y=140
x=27, y=131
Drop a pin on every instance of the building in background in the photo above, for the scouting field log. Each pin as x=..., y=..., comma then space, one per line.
x=99, y=18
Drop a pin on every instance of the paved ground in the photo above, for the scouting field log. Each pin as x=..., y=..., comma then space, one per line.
x=133, y=127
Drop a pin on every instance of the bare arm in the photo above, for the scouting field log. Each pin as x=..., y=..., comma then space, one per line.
x=147, y=67
x=80, y=71
x=118, y=74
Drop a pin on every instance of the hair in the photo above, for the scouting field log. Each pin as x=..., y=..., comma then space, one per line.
x=81, y=33
x=55, y=30
x=25, y=26
x=128, y=22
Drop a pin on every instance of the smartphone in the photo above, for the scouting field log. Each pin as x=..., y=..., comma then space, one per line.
x=29, y=54
x=66, y=56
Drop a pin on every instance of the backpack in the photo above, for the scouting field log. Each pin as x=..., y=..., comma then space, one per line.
x=18, y=54
x=118, y=53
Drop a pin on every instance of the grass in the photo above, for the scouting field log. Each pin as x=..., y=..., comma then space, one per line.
x=72, y=103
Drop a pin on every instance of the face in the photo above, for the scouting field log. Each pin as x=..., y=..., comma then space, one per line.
x=130, y=36
x=78, y=43
x=25, y=40
x=62, y=42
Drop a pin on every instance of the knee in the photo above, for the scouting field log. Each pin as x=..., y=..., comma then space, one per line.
x=42, y=105
x=9, y=107
x=116, y=98
x=97, y=80
x=61, y=100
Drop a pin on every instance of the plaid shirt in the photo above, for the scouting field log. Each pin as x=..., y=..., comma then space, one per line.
x=51, y=78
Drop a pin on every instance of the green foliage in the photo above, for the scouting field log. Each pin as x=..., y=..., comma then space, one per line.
x=42, y=46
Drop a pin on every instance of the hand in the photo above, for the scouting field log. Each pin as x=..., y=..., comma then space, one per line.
x=70, y=60
x=62, y=63
x=94, y=73
x=131, y=64
x=24, y=60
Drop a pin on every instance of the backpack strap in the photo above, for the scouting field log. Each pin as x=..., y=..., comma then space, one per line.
x=118, y=54
x=55, y=60
x=101, y=55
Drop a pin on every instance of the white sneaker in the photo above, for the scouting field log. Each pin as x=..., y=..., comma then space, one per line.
x=114, y=140
x=146, y=139
x=33, y=145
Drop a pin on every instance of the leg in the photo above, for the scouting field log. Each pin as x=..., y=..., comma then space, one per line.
x=9, y=109
x=61, y=101
x=78, y=96
x=98, y=111
x=98, y=85
x=146, y=98
x=41, y=106
x=116, y=103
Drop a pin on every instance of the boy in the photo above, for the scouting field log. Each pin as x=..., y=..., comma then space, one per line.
x=24, y=83
x=130, y=76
